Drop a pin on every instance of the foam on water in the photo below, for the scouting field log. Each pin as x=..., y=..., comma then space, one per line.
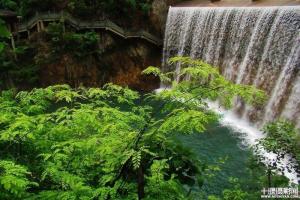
x=250, y=136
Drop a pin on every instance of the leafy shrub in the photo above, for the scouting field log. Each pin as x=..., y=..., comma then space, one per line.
x=8, y=5
x=14, y=68
x=108, y=143
x=111, y=8
x=282, y=138
x=74, y=142
x=78, y=44
x=13, y=180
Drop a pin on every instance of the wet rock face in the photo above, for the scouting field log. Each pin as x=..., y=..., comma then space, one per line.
x=121, y=62
x=124, y=61
x=159, y=13
x=68, y=70
x=158, y=16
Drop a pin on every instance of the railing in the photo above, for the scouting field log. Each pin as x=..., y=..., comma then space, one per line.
x=79, y=24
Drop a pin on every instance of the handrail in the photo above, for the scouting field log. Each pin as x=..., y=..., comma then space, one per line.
x=79, y=24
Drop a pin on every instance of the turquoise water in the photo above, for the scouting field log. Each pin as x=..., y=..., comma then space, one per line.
x=215, y=144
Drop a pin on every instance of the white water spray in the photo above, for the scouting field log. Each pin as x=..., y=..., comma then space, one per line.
x=252, y=45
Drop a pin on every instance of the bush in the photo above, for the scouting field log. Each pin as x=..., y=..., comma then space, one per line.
x=77, y=44
x=112, y=8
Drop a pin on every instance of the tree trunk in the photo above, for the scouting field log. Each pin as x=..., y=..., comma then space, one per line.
x=269, y=177
x=13, y=46
x=141, y=183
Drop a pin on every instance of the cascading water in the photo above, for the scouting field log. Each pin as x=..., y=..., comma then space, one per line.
x=257, y=46
x=251, y=45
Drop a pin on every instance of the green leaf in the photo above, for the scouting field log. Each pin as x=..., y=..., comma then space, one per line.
x=2, y=46
x=3, y=30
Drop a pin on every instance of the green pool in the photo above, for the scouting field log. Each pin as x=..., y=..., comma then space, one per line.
x=217, y=143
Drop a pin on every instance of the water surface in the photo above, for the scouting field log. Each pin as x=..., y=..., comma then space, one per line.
x=217, y=143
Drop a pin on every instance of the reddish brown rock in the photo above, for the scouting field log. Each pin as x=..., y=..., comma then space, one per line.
x=159, y=13
x=121, y=62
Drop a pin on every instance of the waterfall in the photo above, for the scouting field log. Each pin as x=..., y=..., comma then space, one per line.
x=251, y=45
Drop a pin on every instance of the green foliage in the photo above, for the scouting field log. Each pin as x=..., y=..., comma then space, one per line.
x=30, y=7
x=8, y=4
x=131, y=3
x=4, y=33
x=250, y=189
x=164, y=77
x=136, y=159
x=81, y=8
x=145, y=7
x=76, y=141
x=187, y=122
x=12, y=69
x=107, y=143
x=113, y=8
x=77, y=44
x=282, y=138
x=157, y=183
x=13, y=180
x=197, y=81
x=55, y=30
x=236, y=193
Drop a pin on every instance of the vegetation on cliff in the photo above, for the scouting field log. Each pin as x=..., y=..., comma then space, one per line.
x=282, y=139
x=123, y=11
x=16, y=64
x=62, y=55
x=79, y=45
